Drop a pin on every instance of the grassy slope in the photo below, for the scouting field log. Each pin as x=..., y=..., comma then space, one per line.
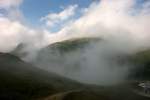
x=20, y=80
x=73, y=44
x=142, y=62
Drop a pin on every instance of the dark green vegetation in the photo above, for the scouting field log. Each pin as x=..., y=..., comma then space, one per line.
x=141, y=60
x=22, y=81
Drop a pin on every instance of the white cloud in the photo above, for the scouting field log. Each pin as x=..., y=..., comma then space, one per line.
x=11, y=9
x=54, y=18
x=112, y=18
x=9, y=32
x=123, y=27
x=13, y=33
x=105, y=18
x=10, y=3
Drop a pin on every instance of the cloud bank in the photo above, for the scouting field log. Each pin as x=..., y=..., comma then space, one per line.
x=105, y=18
x=124, y=24
x=125, y=27
x=109, y=18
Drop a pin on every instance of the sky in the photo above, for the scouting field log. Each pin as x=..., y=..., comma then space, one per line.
x=34, y=9
x=41, y=22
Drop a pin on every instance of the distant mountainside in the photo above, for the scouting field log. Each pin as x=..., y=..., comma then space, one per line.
x=55, y=54
x=72, y=44
x=23, y=81
x=65, y=56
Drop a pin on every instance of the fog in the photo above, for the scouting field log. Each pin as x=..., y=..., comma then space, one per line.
x=99, y=62
x=123, y=26
x=123, y=30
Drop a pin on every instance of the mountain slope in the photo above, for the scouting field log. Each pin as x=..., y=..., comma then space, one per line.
x=20, y=80
x=72, y=44
x=58, y=54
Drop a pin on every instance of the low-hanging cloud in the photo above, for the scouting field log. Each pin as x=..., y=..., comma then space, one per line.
x=109, y=15
x=122, y=24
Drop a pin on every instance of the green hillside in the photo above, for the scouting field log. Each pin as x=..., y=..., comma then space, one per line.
x=56, y=56
x=55, y=53
x=73, y=44
x=22, y=81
